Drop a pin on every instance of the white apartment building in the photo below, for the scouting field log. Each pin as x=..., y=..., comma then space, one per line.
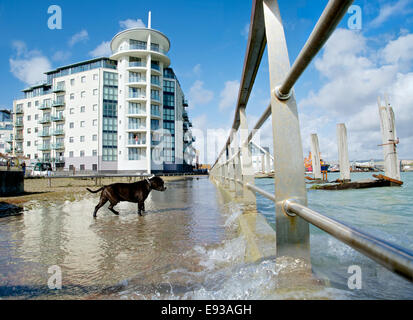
x=6, y=131
x=123, y=113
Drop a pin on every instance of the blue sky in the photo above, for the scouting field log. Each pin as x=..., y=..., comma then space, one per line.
x=208, y=43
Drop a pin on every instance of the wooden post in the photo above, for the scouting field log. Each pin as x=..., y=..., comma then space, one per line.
x=315, y=156
x=390, y=141
x=343, y=152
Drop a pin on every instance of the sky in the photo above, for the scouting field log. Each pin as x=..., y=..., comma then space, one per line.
x=208, y=45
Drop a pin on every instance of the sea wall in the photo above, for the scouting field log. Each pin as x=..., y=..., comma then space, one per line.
x=11, y=183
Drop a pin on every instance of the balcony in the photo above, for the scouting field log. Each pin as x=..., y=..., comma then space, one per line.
x=58, y=146
x=19, y=137
x=136, y=127
x=58, y=103
x=137, y=64
x=19, y=123
x=137, y=96
x=44, y=134
x=58, y=160
x=10, y=139
x=58, y=132
x=44, y=120
x=58, y=89
x=19, y=110
x=185, y=103
x=45, y=147
x=185, y=115
x=139, y=142
x=60, y=117
x=45, y=106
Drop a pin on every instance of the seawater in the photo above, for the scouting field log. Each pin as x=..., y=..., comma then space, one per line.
x=188, y=246
x=386, y=213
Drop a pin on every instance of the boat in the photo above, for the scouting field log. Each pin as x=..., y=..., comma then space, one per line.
x=308, y=163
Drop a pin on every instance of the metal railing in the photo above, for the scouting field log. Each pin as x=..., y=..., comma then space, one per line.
x=233, y=166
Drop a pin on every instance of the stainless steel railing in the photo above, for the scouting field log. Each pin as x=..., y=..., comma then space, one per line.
x=232, y=167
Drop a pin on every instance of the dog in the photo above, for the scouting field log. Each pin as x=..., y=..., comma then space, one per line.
x=131, y=192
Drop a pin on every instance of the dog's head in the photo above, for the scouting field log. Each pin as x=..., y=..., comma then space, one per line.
x=157, y=184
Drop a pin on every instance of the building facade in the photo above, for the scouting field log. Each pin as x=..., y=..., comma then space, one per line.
x=6, y=131
x=123, y=113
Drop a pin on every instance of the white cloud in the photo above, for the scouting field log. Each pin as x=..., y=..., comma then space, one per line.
x=355, y=75
x=390, y=10
x=61, y=56
x=198, y=95
x=245, y=31
x=28, y=65
x=229, y=95
x=130, y=24
x=197, y=70
x=102, y=50
x=81, y=36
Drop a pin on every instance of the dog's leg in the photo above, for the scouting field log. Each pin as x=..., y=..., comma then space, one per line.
x=141, y=207
x=101, y=203
x=112, y=204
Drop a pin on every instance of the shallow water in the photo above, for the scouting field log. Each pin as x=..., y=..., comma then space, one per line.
x=187, y=246
x=386, y=213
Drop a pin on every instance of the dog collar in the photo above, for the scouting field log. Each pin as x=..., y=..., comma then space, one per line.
x=147, y=180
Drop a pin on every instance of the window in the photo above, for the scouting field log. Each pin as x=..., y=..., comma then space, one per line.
x=82, y=109
x=72, y=110
x=72, y=96
x=71, y=125
x=95, y=137
x=155, y=95
x=169, y=126
x=95, y=122
x=136, y=93
x=110, y=79
x=28, y=143
x=155, y=80
x=168, y=114
x=154, y=124
x=36, y=117
x=82, y=124
x=136, y=108
x=169, y=86
x=82, y=153
x=95, y=92
x=155, y=65
x=29, y=130
x=155, y=110
x=110, y=93
x=95, y=76
x=82, y=166
x=72, y=82
x=169, y=100
x=82, y=138
x=36, y=130
x=94, y=153
x=29, y=118
x=83, y=94
x=136, y=44
x=71, y=140
x=36, y=103
x=83, y=79
x=71, y=154
x=135, y=77
x=95, y=107
x=29, y=104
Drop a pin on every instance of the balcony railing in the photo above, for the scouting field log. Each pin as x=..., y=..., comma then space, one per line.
x=58, y=103
x=44, y=134
x=136, y=64
x=19, y=123
x=19, y=110
x=156, y=67
x=57, y=160
x=137, y=47
x=58, y=146
x=136, y=127
x=58, y=88
x=156, y=98
x=19, y=137
x=45, y=147
x=44, y=120
x=58, y=132
x=58, y=118
x=45, y=106
x=139, y=142
x=137, y=80
x=136, y=112
x=137, y=96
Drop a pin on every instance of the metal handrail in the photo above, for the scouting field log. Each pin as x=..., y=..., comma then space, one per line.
x=391, y=256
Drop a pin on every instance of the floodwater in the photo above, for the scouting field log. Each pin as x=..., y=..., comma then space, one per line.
x=187, y=246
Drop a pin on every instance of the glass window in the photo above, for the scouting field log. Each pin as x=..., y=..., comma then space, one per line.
x=169, y=86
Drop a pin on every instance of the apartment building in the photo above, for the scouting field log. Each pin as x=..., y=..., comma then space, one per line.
x=6, y=131
x=122, y=113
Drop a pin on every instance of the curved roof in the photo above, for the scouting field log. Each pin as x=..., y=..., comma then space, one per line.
x=136, y=32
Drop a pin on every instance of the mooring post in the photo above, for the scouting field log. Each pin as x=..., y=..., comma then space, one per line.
x=344, y=161
x=390, y=141
x=292, y=233
x=315, y=156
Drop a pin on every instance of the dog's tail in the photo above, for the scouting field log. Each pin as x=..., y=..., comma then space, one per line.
x=96, y=190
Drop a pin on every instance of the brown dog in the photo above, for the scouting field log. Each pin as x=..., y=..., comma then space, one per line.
x=131, y=192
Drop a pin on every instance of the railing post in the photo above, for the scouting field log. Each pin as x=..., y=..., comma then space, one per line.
x=343, y=152
x=246, y=160
x=292, y=233
x=231, y=169
x=315, y=157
